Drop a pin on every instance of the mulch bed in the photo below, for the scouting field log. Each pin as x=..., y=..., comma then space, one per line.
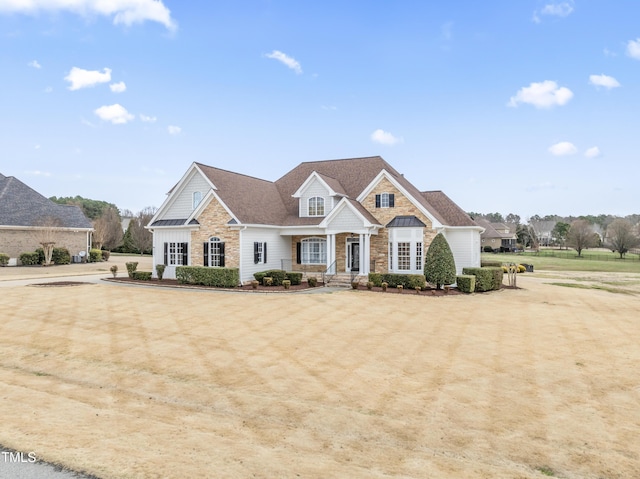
x=276, y=289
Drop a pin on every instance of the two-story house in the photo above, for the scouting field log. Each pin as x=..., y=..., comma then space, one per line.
x=353, y=216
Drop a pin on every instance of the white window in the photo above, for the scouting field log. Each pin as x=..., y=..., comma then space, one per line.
x=384, y=200
x=316, y=206
x=404, y=256
x=175, y=254
x=197, y=198
x=314, y=251
x=216, y=252
x=419, y=256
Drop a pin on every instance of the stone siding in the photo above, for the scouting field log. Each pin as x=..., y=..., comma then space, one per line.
x=213, y=222
x=402, y=207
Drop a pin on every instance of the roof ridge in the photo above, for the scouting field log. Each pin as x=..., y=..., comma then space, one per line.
x=233, y=172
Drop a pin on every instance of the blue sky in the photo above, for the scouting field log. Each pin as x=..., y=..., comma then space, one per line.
x=523, y=106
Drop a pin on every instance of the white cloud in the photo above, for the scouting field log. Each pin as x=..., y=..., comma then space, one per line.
x=80, y=78
x=148, y=119
x=34, y=64
x=286, y=60
x=562, y=9
x=385, y=138
x=564, y=148
x=633, y=49
x=174, y=130
x=593, y=152
x=604, y=81
x=118, y=87
x=545, y=94
x=124, y=12
x=116, y=114
x=37, y=173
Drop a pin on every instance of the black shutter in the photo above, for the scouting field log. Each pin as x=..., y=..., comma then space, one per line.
x=298, y=253
x=377, y=201
x=185, y=254
x=264, y=252
x=392, y=200
x=256, y=255
x=222, y=254
x=166, y=253
x=205, y=248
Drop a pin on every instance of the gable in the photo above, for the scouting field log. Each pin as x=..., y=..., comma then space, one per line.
x=181, y=205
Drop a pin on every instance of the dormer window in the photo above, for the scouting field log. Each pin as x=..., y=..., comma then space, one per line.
x=316, y=206
x=385, y=200
x=197, y=198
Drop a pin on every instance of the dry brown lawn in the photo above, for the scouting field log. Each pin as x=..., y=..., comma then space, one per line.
x=130, y=382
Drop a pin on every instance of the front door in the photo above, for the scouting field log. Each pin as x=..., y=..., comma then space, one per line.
x=353, y=255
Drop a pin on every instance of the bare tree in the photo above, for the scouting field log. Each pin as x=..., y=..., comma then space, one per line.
x=46, y=234
x=621, y=237
x=580, y=236
x=141, y=237
x=107, y=229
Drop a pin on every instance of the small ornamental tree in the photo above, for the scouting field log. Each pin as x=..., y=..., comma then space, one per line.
x=439, y=265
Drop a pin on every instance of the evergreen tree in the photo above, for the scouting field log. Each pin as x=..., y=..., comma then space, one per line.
x=439, y=265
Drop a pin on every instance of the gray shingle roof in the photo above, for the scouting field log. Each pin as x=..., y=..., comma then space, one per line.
x=405, y=222
x=22, y=206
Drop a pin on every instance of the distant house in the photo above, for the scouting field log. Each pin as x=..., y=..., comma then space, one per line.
x=497, y=236
x=350, y=216
x=544, y=231
x=25, y=212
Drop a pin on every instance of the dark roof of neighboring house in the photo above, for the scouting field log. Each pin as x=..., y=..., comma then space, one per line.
x=405, y=222
x=493, y=230
x=256, y=201
x=22, y=206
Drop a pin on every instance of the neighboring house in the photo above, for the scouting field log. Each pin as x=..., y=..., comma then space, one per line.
x=544, y=231
x=498, y=236
x=25, y=213
x=339, y=216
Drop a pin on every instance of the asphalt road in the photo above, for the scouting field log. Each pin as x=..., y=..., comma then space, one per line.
x=25, y=465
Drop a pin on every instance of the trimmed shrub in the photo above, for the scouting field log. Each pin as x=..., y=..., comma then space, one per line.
x=29, y=259
x=142, y=275
x=394, y=279
x=4, y=259
x=369, y=285
x=267, y=281
x=487, y=278
x=277, y=275
x=312, y=281
x=131, y=268
x=439, y=265
x=286, y=283
x=488, y=249
x=491, y=264
x=58, y=256
x=95, y=255
x=294, y=277
x=105, y=255
x=466, y=283
x=400, y=288
x=255, y=284
x=376, y=279
x=160, y=271
x=207, y=276
x=384, y=286
x=355, y=284
x=114, y=270
x=521, y=268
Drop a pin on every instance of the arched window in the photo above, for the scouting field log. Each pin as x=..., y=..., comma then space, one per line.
x=214, y=252
x=313, y=251
x=197, y=198
x=316, y=206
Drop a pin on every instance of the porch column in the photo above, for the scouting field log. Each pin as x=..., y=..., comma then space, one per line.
x=365, y=254
x=331, y=252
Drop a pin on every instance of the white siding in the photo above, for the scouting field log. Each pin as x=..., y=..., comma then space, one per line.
x=160, y=237
x=465, y=245
x=182, y=206
x=315, y=188
x=345, y=221
x=278, y=248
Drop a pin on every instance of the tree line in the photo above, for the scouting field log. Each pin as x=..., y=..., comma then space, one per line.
x=107, y=220
x=619, y=234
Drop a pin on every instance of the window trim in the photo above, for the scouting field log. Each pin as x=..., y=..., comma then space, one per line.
x=215, y=252
x=196, y=199
x=317, y=208
x=306, y=254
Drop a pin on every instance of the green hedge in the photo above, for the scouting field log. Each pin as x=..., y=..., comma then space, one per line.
x=491, y=264
x=29, y=259
x=466, y=283
x=142, y=275
x=278, y=276
x=487, y=278
x=394, y=280
x=131, y=268
x=4, y=259
x=59, y=256
x=218, y=277
x=95, y=255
